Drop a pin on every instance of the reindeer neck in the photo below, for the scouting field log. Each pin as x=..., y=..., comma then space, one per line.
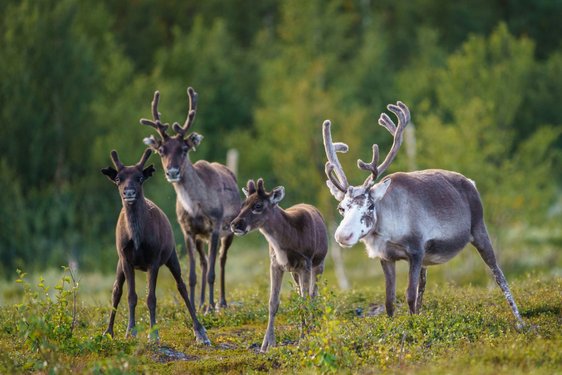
x=191, y=190
x=135, y=215
x=277, y=223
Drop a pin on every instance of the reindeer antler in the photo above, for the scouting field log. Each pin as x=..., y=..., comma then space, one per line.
x=146, y=154
x=116, y=161
x=251, y=187
x=155, y=122
x=182, y=130
x=333, y=168
x=261, y=187
x=403, y=114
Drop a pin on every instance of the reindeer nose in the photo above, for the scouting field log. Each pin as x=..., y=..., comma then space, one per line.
x=344, y=239
x=129, y=194
x=173, y=174
x=238, y=227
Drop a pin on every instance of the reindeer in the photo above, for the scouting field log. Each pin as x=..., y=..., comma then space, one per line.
x=207, y=197
x=298, y=242
x=424, y=217
x=144, y=241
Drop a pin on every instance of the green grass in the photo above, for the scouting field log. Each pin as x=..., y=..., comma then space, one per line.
x=465, y=326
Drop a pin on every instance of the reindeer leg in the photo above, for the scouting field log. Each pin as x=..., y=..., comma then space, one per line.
x=174, y=266
x=421, y=287
x=484, y=246
x=152, y=275
x=295, y=276
x=225, y=245
x=414, y=282
x=389, y=269
x=116, y=297
x=318, y=270
x=190, y=246
x=213, y=247
x=132, y=298
x=204, y=266
x=276, y=274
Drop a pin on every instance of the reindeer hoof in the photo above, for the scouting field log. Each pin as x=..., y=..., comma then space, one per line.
x=209, y=309
x=108, y=333
x=132, y=332
x=154, y=337
x=201, y=337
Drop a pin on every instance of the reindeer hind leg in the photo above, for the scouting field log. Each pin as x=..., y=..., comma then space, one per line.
x=481, y=240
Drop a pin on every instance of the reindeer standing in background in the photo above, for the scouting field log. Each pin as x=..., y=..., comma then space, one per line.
x=144, y=241
x=298, y=242
x=423, y=217
x=207, y=197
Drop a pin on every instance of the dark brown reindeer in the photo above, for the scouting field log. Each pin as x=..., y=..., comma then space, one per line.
x=424, y=217
x=144, y=241
x=298, y=242
x=207, y=197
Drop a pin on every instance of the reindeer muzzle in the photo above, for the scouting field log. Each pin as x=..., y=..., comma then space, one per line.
x=129, y=196
x=239, y=227
x=173, y=174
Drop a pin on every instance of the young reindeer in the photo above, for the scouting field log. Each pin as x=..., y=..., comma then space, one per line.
x=298, y=242
x=207, y=197
x=144, y=241
x=424, y=217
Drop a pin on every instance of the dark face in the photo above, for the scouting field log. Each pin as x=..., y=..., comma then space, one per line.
x=173, y=152
x=256, y=209
x=129, y=181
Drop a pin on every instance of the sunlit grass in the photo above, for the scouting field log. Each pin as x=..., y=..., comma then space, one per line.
x=465, y=325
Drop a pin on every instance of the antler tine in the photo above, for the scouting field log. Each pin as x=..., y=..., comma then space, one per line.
x=155, y=122
x=116, y=161
x=333, y=168
x=192, y=96
x=403, y=114
x=329, y=170
x=251, y=187
x=146, y=154
x=261, y=187
x=154, y=106
x=372, y=166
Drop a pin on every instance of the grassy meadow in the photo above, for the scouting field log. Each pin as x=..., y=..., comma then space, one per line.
x=53, y=323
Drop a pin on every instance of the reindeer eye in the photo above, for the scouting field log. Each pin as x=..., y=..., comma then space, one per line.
x=117, y=180
x=258, y=207
x=161, y=150
x=341, y=210
x=184, y=149
x=139, y=179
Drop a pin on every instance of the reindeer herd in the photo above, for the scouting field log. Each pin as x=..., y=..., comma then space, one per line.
x=423, y=217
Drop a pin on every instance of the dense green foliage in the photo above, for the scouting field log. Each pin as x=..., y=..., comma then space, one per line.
x=483, y=80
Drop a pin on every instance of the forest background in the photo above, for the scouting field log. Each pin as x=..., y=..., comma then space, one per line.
x=483, y=80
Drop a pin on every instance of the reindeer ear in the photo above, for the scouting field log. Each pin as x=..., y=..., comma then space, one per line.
x=148, y=171
x=337, y=193
x=110, y=173
x=277, y=195
x=193, y=140
x=379, y=190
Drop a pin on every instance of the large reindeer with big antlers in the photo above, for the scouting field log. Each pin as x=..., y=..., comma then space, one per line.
x=424, y=217
x=207, y=197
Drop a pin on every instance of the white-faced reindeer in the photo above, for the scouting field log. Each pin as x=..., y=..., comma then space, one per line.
x=298, y=242
x=207, y=197
x=144, y=241
x=424, y=217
